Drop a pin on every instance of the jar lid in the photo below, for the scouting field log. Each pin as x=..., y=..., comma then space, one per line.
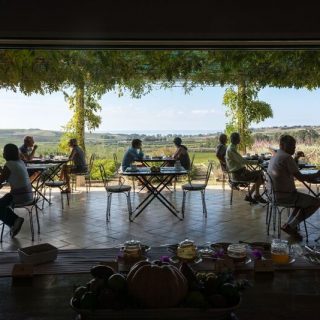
x=132, y=243
x=186, y=243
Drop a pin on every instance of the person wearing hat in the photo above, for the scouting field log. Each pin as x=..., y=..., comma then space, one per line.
x=181, y=153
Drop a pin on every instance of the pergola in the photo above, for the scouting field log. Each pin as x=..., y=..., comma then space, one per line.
x=159, y=24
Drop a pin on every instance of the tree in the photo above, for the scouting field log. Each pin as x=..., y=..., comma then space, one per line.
x=243, y=110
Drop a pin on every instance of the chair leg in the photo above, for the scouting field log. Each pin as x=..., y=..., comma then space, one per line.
x=133, y=184
x=68, y=201
x=129, y=205
x=231, y=196
x=31, y=224
x=108, y=207
x=183, y=203
x=61, y=198
x=2, y=229
x=204, y=206
x=269, y=219
x=37, y=217
x=279, y=224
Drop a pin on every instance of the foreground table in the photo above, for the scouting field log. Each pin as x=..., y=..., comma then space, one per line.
x=290, y=293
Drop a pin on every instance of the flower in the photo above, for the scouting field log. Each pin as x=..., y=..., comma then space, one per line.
x=219, y=253
x=165, y=259
x=256, y=254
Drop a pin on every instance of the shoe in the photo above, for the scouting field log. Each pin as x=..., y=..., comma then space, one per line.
x=260, y=200
x=292, y=232
x=16, y=227
x=250, y=199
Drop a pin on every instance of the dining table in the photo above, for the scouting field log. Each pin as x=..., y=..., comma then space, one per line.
x=161, y=161
x=163, y=178
x=288, y=292
x=47, y=169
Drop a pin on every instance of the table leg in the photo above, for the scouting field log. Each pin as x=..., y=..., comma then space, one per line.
x=155, y=193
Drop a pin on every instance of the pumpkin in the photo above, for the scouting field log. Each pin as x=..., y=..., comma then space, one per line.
x=156, y=286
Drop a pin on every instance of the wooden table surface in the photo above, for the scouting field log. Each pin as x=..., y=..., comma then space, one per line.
x=288, y=293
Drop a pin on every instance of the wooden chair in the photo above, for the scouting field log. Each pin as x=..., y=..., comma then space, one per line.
x=115, y=188
x=190, y=186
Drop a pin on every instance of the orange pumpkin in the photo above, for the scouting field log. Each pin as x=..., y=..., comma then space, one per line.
x=155, y=286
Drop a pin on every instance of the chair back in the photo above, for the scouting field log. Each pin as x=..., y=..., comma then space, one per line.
x=117, y=164
x=204, y=176
x=270, y=190
x=106, y=179
x=208, y=173
x=103, y=175
x=192, y=161
x=91, y=161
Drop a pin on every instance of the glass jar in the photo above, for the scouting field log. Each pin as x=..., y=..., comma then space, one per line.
x=280, y=251
x=132, y=249
x=237, y=251
x=187, y=250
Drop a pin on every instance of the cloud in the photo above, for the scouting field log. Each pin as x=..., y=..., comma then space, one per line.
x=202, y=111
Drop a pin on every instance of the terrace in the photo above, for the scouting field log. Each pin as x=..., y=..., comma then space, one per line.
x=83, y=223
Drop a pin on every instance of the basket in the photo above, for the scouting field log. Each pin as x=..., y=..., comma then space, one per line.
x=155, y=314
x=38, y=254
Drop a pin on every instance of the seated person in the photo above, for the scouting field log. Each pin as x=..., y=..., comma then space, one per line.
x=132, y=154
x=28, y=149
x=282, y=170
x=15, y=173
x=181, y=153
x=221, y=150
x=79, y=165
x=236, y=165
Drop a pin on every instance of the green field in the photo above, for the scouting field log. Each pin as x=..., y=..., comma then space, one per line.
x=104, y=146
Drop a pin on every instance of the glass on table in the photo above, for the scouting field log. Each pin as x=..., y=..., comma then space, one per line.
x=280, y=251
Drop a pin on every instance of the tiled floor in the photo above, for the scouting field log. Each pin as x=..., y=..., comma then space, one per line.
x=83, y=224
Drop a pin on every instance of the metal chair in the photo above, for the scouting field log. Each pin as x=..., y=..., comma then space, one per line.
x=275, y=208
x=2, y=230
x=61, y=185
x=191, y=166
x=86, y=174
x=111, y=189
x=190, y=186
x=236, y=184
x=117, y=166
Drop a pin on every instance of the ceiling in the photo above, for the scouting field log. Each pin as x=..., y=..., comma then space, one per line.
x=159, y=24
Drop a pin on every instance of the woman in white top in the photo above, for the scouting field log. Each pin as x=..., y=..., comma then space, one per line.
x=15, y=173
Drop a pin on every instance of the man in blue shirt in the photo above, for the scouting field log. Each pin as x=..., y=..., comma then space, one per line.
x=132, y=154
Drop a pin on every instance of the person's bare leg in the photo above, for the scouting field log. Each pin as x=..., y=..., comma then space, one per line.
x=302, y=215
x=252, y=189
x=65, y=175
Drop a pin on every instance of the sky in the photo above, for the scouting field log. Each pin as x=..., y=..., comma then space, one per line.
x=159, y=111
